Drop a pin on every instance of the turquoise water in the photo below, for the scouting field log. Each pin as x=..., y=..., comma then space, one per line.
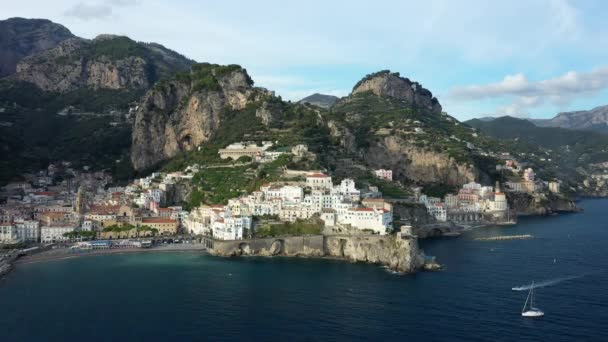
x=188, y=296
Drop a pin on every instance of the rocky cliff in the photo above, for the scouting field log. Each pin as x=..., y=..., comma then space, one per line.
x=386, y=83
x=545, y=204
x=182, y=113
x=392, y=122
x=401, y=255
x=409, y=161
x=106, y=62
x=20, y=37
x=398, y=254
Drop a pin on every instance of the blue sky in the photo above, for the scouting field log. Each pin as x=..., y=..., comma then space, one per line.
x=480, y=58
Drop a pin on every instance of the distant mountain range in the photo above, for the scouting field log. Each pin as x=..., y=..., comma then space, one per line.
x=321, y=100
x=595, y=119
x=21, y=37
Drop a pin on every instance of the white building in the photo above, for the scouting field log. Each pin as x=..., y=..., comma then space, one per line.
x=438, y=211
x=231, y=228
x=28, y=230
x=49, y=234
x=529, y=175
x=319, y=181
x=384, y=174
x=347, y=190
x=8, y=233
x=377, y=220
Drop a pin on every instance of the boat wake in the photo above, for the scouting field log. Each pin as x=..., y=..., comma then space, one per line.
x=550, y=282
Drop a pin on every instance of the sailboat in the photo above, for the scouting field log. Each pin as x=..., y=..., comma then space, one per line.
x=531, y=311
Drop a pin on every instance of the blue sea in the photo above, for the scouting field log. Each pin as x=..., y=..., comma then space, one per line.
x=189, y=296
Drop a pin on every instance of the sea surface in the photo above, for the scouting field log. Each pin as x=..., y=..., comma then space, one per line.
x=188, y=296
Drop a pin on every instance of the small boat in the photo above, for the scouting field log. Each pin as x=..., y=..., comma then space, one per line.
x=531, y=311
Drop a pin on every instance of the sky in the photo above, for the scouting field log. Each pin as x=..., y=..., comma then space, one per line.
x=531, y=58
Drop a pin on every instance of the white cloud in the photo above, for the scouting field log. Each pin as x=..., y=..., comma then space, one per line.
x=102, y=10
x=559, y=91
x=88, y=12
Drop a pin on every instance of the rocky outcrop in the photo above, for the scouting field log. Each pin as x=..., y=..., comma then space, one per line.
x=398, y=254
x=269, y=113
x=106, y=62
x=401, y=255
x=407, y=160
x=418, y=164
x=385, y=83
x=20, y=37
x=180, y=114
x=178, y=193
x=414, y=213
x=540, y=204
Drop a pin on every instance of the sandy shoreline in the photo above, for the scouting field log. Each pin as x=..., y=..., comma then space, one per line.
x=69, y=254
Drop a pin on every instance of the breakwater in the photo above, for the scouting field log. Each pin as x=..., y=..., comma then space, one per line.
x=506, y=237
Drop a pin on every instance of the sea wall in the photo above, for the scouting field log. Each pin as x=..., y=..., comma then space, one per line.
x=398, y=253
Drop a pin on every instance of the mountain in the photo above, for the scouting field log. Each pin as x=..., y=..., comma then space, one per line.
x=20, y=37
x=180, y=114
x=568, y=154
x=106, y=62
x=320, y=100
x=386, y=122
x=392, y=122
x=595, y=119
x=71, y=101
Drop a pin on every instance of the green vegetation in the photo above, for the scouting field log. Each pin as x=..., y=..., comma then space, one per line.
x=85, y=235
x=552, y=152
x=140, y=230
x=37, y=138
x=439, y=190
x=116, y=48
x=216, y=185
x=204, y=75
x=289, y=228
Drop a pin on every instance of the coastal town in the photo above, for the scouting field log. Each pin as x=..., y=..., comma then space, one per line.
x=62, y=204
x=76, y=210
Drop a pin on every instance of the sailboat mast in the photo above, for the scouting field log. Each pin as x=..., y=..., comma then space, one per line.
x=526, y=303
x=532, y=296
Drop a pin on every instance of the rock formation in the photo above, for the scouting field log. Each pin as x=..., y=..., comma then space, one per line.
x=180, y=114
x=359, y=116
x=421, y=165
x=385, y=83
x=398, y=253
x=20, y=37
x=106, y=62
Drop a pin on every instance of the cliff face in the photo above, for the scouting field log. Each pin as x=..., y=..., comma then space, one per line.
x=107, y=62
x=393, y=123
x=20, y=37
x=179, y=115
x=401, y=255
x=415, y=213
x=385, y=83
x=526, y=204
x=421, y=165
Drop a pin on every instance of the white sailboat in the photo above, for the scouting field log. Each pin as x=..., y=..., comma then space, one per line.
x=531, y=311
